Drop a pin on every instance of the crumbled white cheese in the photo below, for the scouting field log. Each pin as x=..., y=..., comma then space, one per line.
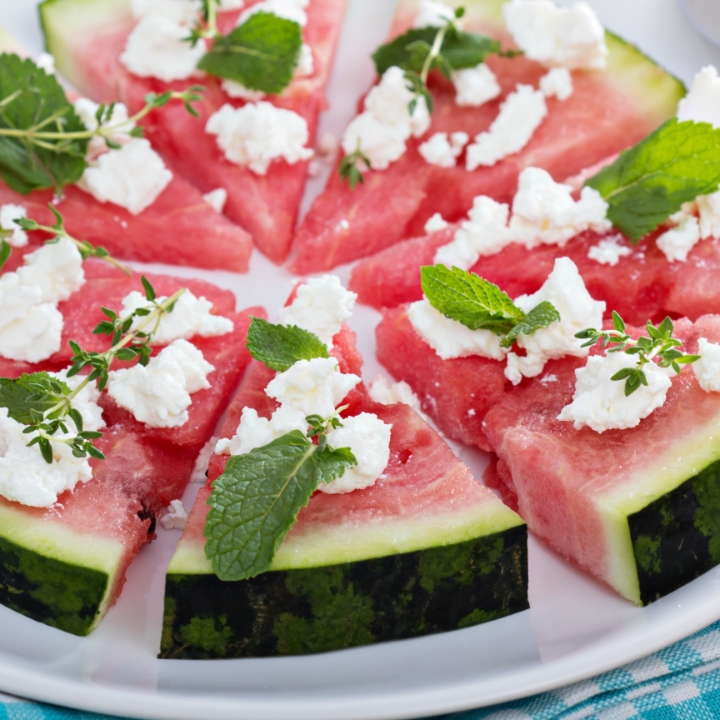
x=368, y=438
x=707, y=368
x=56, y=268
x=184, y=12
x=191, y=316
x=321, y=306
x=678, y=241
x=566, y=290
x=8, y=215
x=557, y=83
x=485, y=232
x=289, y=9
x=381, y=391
x=435, y=223
x=85, y=402
x=549, y=378
x=25, y=477
x=382, y=130
x=199, y=473
x=45, y=61
x=158, y=394
x=702, y=103
x=255, y=431
x=601, y=404
x=520, y=115
x=433, y=14
x=216, y=199
x=708, y=207
x=35, y=336
x=175, y=516
x=305, y=64
x=132, y=177
x=86, y=110
x=257, y=134
x=450, y=338
x=157, y=47
x=544, y=211
x=609, y=251
x=475, y=86
x=314, y=387
x=443, y=151
x=236, y=89
x=557, y=37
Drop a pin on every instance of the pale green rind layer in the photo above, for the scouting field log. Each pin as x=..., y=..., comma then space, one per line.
x=64, y=21
x=347, y=543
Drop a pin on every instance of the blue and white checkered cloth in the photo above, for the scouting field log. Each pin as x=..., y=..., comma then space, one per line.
x=681, y=682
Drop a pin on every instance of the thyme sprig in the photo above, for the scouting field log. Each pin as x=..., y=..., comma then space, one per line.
x=352, y=167
x=659, y=343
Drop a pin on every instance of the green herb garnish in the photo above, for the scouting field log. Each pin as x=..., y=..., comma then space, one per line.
x=651, y=181
x=479, y=305
x=280, y=347
x=658, y=342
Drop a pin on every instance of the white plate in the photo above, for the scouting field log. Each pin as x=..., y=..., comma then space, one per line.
x=575, y=629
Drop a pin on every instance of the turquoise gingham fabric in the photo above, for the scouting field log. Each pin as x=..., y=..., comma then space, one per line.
x=681, y=682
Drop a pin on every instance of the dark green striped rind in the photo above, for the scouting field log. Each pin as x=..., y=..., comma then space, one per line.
x=676, y=538
x=65, y=596
x=297, y=612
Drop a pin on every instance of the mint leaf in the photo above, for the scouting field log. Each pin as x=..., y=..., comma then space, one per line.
x=30, y=98
x=28, y=397
x=280, y=347
x=541, y=316
x=467, y=298
x=257, y=499
x=650, y=181
x=261, y=54
x=459, y=49
x=5, y=252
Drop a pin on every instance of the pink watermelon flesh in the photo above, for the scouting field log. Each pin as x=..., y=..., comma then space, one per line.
x=265, y=205
x=179, y=228
x=455, y=393
x=599, y=119
x=560, y=475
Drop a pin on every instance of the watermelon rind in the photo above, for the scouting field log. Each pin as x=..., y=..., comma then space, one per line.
x=53, y=574
x=331, y=607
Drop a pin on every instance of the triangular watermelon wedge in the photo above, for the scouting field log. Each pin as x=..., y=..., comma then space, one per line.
x=426, y=549
x=608, y=111
x=87, y=41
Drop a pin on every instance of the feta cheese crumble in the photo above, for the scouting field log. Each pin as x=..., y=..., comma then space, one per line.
x=45, y=61
x=678, y=241
x=436, y=223
x=289, y=9
x=132, y=177
x=702, y=103
x=199, y=472
x=321, y=306
x=475, y=86
x=56, y=268
x=368, y=438
x=443, y=151
x=314, y=387
x=382, y=130
x=158, y=394
x=520, y=115
x=157, y=47
x=557, y=37
x=485, y=232
x=566, y=290
x=191, y=316
x=175, y=516
x=8, y=215
x=433, y=14
x=707, y=368
x=708, y=207
x=258, y=134
x=601, y=404
x=609, y=251
x=557, y=83
x=385, y=393
x=255, y=431
x=450, y=338
x=86, y=110
x=216, y=199
x=544, y=211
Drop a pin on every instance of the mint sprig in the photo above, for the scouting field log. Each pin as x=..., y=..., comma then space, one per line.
x=5, y=252
x=650, y=181
x=658, y=342
x=256, y=501
x=480, y=305
x=280, y=347
x=261, y=53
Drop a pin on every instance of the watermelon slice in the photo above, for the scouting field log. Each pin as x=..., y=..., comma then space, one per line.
x=87, y=40
x=65, y=566
x=608, y=111
x=426, y=549
x=636, y=508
